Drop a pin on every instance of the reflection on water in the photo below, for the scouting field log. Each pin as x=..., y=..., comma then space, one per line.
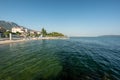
x=74, y=59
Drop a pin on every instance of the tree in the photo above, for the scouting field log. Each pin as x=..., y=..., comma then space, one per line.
x=2, y=30
x=55, y=34
x=7, y=33
x=43, y=32
x=18, y=33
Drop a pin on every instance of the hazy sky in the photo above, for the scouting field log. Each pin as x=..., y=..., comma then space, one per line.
x=71, y=17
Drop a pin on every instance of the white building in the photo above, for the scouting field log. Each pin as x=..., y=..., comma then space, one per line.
x=18, y=29
x=38, y=32
x=32, y=32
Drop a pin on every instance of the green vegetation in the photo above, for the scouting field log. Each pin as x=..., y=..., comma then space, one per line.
x=43, y=32
x=2, y=30
x=18, y=33
x=7, y=33
x=55, y=34
x=52, y=34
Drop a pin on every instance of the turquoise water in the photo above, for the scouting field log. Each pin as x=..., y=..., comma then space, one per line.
x=96, y=58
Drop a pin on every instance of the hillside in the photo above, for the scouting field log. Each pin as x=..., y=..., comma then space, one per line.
x=8, y=25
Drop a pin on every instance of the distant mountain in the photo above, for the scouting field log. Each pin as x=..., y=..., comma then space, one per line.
x=8, y=25
x=110, y=36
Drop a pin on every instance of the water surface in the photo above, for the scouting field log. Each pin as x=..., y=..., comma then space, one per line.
x=96, y=58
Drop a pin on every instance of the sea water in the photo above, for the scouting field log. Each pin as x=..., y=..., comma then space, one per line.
x=84, y=58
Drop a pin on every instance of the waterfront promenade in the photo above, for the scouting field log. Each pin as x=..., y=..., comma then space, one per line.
x=6, y=40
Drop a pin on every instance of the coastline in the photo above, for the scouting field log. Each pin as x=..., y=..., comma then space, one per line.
x=11, y=41
x=28, y=39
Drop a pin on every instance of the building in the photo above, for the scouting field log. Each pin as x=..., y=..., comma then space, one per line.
x=32, y=32
x=38, y=32
x=25, y=32
x=18, y=29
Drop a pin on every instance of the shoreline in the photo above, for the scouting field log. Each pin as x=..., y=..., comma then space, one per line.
x=11, y=41
x=29, y=39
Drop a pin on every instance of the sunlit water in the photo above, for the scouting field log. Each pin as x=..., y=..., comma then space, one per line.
x=73, y=59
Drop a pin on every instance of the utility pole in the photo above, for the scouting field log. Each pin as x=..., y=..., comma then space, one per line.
x=10, y=36
x=0, y=35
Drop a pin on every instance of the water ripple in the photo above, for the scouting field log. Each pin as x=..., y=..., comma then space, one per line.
x=74, y=59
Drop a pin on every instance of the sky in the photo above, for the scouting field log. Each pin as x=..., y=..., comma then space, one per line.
x=70, y=17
